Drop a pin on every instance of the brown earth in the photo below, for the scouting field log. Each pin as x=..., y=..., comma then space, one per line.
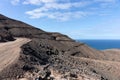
x=51, y=56
x=9, y=52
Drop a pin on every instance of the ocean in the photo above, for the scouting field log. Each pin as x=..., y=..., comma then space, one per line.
x=102, y=44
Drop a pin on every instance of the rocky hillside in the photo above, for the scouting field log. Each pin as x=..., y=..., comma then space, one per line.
x=54, y=56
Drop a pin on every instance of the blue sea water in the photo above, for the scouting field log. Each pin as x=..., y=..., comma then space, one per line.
x=102, y=44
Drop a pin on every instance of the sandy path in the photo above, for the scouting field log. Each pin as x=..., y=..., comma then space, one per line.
x=9, y=51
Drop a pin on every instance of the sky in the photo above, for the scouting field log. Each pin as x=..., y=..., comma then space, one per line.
x=79, y=19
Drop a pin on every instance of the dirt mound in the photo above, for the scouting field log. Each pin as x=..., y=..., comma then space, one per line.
x=48, y=54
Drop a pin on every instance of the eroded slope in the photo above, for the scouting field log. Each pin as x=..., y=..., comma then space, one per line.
x=49, y=53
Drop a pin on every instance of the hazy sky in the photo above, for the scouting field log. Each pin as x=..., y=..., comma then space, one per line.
x=80, y=19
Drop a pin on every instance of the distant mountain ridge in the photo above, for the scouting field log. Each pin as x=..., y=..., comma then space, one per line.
x=20, y=29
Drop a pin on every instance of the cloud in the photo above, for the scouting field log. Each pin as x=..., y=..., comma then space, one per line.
x=37, y=2
x=65, y=9
x=15, y=2
x=57, y=15
x=59, y=11
x=106, y=1
x=54, y=4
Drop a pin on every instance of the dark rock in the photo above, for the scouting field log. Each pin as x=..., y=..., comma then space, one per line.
x=102, y=78
x=28, y=68
x=73, y=75
x=5, y=36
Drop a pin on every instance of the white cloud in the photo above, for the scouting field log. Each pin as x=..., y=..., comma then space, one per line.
x=59, y=11
x=57, y=15
x=37, y=2
x=15, y=2
x=63, y=5
x=106, y=1
x=54, y=4
x=65, y=9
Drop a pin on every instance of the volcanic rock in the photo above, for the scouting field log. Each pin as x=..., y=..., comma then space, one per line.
x=54, y=56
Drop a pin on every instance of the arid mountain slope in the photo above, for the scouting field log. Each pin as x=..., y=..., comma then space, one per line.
x=48, y=54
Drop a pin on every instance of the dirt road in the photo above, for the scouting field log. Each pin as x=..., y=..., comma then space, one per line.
x=9, y=51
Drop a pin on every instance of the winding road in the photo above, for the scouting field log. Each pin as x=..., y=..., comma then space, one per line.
x=9, y=51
